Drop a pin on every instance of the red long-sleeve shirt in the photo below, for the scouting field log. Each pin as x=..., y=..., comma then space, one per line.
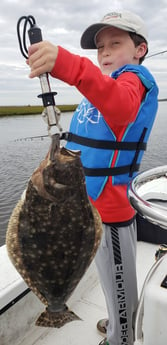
x=118, y=100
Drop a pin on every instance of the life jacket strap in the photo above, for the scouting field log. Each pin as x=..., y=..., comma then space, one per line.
x=104, y=144
x=111, y=171
x=110, y=145
x=137, y=151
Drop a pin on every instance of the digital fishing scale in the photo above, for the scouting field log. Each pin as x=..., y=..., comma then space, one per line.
x=51, y=112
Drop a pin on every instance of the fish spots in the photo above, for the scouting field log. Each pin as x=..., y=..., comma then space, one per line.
x=53, y=234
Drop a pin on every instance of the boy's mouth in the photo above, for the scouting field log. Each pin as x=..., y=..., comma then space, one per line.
x=106, y=64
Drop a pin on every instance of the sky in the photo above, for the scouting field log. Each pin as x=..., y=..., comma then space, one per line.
x=62, y=23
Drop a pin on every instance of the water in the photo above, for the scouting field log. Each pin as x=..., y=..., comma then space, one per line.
x=18, y=158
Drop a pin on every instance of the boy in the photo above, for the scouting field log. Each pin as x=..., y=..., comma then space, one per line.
x=111, y=127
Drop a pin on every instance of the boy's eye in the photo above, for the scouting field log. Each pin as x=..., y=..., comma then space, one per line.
x=99, y=47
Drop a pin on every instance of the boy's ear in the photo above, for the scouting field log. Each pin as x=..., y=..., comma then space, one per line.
x=141, y=50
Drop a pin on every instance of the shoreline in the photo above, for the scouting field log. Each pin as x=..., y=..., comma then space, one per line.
x=16, y=110
x=32, y=109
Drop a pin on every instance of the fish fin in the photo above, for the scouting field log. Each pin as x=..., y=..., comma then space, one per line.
x=14, y=251
x=56, y=319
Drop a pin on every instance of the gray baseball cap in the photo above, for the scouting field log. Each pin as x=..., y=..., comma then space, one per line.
x=124, y=20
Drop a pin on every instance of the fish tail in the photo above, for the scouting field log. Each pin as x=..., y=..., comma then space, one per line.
x=56, y=319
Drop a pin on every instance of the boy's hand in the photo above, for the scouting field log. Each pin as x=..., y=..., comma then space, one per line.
x=42, y=57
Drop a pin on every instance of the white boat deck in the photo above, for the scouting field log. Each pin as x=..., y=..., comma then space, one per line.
x=88, y=303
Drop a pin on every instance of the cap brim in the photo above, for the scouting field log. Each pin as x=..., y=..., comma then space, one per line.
x=88, y=37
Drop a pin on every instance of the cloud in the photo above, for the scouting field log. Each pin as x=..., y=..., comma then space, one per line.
x=62, y=22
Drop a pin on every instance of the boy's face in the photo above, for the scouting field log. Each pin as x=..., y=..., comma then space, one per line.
x=115, y=49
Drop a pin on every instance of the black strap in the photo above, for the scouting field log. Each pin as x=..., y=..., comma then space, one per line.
x=111, y=171
x=104, y=144
x=137, y=151
x=110, y=145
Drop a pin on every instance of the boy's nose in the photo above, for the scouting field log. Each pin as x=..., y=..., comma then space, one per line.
x=106, y=51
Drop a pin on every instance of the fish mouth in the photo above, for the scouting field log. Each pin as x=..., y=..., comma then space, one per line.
x=55, y=146
x=55, y=149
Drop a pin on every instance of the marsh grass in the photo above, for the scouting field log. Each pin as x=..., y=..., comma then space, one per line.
x=31, y=109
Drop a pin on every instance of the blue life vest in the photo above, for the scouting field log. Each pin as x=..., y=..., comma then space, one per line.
x=90, y=134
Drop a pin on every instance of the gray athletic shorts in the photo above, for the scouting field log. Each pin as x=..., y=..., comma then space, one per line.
x=116, y=264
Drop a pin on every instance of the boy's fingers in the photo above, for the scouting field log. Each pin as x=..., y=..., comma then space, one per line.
x=33, y=48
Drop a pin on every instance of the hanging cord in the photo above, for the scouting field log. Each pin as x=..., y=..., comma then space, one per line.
x=22, y=37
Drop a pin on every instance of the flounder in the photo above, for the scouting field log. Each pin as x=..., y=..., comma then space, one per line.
x=54, y=232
